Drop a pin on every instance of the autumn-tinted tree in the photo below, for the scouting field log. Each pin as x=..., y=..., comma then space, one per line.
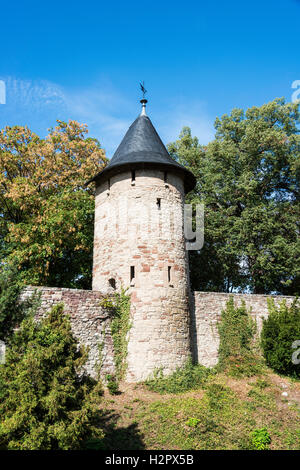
x=248, y=179
x=46, y=212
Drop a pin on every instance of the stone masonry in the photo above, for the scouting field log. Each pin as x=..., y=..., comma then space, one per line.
x=90, y=321
x=207, y=312
x=139, y=243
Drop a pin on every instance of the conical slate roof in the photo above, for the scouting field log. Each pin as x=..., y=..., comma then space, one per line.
x=142, y=148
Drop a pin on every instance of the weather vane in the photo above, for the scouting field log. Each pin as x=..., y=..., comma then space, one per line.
x=143, y=101
x=144, y=91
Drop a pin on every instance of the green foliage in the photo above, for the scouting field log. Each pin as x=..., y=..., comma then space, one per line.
x=218, y=396
x=280, y=330
x=120, y=327
x=260, y=439
x=107, y=303
x=112, y=384
x=262, y=384
x=248, y=179
x=186, y=378
x=236, y=350
x=119, y=307
x=12, y=311
x=47, y=212
x=192, y=422
x=45, y=403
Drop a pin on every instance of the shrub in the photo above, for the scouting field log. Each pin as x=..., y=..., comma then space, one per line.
x=192, y=422
x=11, y=311
x=45, y=403
x=260, y=439
x=112, y=384
x=280, y=330
x=186, y=378
x=237, y=354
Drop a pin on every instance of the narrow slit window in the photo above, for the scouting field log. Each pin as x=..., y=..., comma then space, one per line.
x=169, y=273
x=132, y=273
x=133, y=176
x=158, y=203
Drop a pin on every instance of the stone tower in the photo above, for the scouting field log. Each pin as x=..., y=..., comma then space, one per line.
x=139, y=243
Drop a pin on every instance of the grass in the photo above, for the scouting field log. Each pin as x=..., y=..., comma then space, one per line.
x=221, y=412
x=183, y=379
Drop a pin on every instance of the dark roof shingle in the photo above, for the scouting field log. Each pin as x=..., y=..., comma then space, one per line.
x=142, y=147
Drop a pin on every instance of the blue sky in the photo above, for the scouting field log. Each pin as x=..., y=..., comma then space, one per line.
x=84, y=60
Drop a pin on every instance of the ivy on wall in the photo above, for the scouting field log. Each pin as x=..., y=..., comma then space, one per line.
x=238, y=354
x=120, y=326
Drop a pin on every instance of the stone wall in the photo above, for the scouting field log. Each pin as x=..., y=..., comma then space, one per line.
x=207, y=312
x=90, y=321
x=91, y=325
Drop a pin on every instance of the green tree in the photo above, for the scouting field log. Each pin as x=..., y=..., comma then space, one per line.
x=45, y=404
x=11, y=311
x=280, y=330
x=248, y=180
x=46, y=211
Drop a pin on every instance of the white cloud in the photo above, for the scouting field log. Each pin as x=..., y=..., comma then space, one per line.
x=32, y=95
x=38, y=104
x=101, y=110
x=104, y=109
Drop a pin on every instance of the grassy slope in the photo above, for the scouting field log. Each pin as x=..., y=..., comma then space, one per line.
x=226, y=411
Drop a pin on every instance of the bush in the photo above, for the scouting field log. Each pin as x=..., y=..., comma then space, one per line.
x=193, y=422
x=11, y=311
x=183, y=379
x=280, y=330
x=237, y=355
x=45, y=403
x=112, y=384
x=260, y=439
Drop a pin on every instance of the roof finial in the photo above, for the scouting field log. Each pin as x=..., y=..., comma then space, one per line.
x=143, y=101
